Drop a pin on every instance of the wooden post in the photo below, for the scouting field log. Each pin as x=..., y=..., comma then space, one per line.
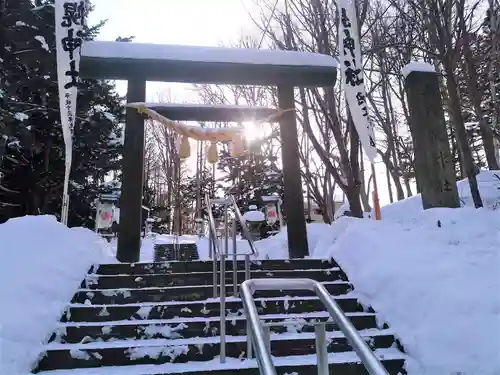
x=433, y=162
x=293, y=202
x=129, y=238
x=376, y=200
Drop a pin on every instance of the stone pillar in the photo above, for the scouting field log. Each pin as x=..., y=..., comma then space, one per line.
x=129, y=237
x=293, y=202
x=434, y=167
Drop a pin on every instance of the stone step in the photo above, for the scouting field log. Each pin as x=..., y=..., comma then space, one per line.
x=208, y=308
x=73, y=333
x=346, y=363
x=206, y=266
x=188, y=293
x=169, y=252
x=201, y=278
x=159, y=351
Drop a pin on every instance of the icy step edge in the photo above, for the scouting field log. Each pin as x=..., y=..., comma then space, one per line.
x=231, y=364
x=366, y=333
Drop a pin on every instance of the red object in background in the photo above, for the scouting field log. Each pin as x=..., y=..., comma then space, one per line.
x=106, y=215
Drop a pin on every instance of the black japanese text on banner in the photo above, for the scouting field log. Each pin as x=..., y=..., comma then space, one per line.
x=69, y=22
x=352, y=75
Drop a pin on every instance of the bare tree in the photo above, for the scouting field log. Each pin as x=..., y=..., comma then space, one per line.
x=309, y=26
x=440, y=39
x=474, y=90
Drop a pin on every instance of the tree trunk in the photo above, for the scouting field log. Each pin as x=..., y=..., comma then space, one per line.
x=326, y=218
x=493, y=63
x=391, y=168
x=389, y=185
x=397, y=184
x=409, y=193
x=329, y=198
x=352, y=195
x=461, y=135
x=472, y=84
x=363, y=191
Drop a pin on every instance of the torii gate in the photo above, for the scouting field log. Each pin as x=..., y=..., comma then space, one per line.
x=138, y=63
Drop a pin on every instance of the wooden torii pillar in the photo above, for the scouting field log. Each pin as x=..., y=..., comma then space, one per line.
x=138, y=63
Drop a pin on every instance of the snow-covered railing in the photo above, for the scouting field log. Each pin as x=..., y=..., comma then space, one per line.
x=257, y=336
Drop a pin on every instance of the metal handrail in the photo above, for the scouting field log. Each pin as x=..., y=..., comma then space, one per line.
x=216, y=251
x=256, y=333
x=211, y=226
x=244, y=228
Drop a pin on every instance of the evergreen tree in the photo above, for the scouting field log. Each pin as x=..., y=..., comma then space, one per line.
x=251, y=176
x=32, y=156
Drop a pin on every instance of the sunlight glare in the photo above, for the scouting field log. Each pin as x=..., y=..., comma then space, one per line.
x=251, y=131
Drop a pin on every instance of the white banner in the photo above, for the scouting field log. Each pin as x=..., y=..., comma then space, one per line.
x=69, y=22
x=352, y=75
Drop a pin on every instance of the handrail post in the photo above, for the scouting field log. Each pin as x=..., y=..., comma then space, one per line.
x=247, y=267
x=210, y=244
x=321, y=349
x=249, y=339
x=263, y=355
x=222, y=311
x=223, y=256
x=267, y=336
x=249, y=325
x=362, y=349
x=214, y=271
x=214, y=262
x=235, y=260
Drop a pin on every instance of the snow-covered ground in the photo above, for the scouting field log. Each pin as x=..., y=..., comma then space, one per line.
x=434, y=278
x=489, y=187
x=432, y=275
x=43, y=263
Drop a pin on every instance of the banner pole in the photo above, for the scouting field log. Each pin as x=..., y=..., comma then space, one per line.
x=376, y=201
x=69, y=26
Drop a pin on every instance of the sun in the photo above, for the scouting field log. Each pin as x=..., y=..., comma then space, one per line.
x=251, y=131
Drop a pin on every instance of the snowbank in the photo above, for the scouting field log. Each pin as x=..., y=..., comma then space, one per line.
x=489, y=188
x=43, y=264
x=254, y=216
x=433, y=276
x=276, y=247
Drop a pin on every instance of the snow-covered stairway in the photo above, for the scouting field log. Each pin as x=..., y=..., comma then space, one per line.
x=159, y=318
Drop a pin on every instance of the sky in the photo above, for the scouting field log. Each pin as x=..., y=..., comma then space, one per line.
x=187, y=22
